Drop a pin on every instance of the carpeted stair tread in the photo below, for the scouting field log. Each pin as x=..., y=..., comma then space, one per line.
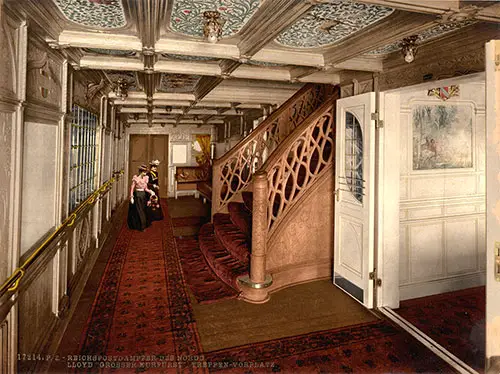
x=241, y=217
x=205, y=285
x=231, y=237
x=220, y=260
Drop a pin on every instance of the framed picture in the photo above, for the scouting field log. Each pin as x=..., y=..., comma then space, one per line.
x=442, y=136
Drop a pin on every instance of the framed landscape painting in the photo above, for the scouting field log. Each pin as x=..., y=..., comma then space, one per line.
x=442, y=136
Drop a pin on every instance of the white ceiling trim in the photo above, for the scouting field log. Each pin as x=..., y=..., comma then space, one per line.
x=187, y=67
x=111, y=63
x=197, y=48
x=100, y=40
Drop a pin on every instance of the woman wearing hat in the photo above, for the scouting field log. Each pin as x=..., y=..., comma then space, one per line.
x=138, y=219
x=154, y=204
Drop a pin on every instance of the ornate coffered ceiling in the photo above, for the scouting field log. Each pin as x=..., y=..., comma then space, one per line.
x=268, y=49
x=101, y=14
x=178, y=83
x=330, y=23
x=187, y=15
x=426, y=35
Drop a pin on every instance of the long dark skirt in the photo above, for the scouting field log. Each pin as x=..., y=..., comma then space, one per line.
x=138, y=218
x=155, y=211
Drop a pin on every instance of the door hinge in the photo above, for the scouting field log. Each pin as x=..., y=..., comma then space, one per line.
x=373, y=276
x=378, y=122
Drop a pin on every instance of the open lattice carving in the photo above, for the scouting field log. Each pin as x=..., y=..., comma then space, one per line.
x=233, y=172
x=298, y=162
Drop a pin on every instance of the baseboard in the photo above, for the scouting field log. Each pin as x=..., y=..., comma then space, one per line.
x=412, y=291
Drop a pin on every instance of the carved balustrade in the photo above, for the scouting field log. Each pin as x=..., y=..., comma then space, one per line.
x=233, y=172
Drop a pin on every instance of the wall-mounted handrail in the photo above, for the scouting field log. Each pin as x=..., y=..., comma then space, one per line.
x=12, y=283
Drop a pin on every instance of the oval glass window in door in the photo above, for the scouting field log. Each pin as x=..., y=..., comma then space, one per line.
x=354, y=156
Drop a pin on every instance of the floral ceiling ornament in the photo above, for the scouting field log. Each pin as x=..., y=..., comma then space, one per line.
x=187, y=15
x=212, y=30
x=409, y=48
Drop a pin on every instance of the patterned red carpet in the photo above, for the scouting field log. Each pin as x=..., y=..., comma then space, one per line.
x=375, y=347
x=142, y=321
x=454, y=319
x=205, y=286
x=142, y=307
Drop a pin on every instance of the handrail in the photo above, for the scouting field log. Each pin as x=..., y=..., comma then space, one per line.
x=12, y=283
x=314, y=136
x=232, y=172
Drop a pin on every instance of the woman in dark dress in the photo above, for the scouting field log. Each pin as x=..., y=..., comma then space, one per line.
x=138, y=218
x=155, y=210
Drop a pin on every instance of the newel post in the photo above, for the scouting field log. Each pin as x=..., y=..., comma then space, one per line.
x=254, y=285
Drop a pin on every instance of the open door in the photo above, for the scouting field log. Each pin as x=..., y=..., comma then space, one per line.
x=493, y=206
x=354, y=200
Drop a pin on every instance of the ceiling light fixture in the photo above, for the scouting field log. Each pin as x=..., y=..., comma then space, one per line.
x=212, y=30
x=121, y=88
x=409, y=48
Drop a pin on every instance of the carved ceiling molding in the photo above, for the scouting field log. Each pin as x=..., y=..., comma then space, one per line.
x=100, y=14
x=327, y=24
x=465, y=64
x=424, y=36
x=129, y=77
x=109, y=52
x=187, y=15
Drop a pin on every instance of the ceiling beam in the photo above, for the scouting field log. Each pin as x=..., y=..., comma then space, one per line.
x=122, y=42
x=205, y=85
x=397, y=26
x=269, y=20
x=421, y=6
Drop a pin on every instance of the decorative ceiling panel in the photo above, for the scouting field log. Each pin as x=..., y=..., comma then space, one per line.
x=111, y=52
x=104, y=14
x=187, y=15
x=329, y=23
x=178, y=83
x=429, y=34
x=129, y=77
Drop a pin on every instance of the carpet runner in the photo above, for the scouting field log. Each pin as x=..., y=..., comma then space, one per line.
x=142, y=309
x=455, y=320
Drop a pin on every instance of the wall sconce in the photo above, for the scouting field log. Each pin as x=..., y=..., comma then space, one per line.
x=136, y=116
x=409, y=48
x=121, y=88
x=212, y=30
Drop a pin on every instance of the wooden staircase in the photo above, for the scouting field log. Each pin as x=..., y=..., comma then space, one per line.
x=287, y=168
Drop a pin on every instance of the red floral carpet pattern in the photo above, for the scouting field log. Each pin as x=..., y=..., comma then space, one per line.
x=203, y=282
x=454, y=319
x=142, y=307
x=366, y=348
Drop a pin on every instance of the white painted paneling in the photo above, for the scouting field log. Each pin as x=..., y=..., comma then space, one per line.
x=39, y=182
x=404, y=263
x=442, y=210
x=461, y=242
x=426, y=251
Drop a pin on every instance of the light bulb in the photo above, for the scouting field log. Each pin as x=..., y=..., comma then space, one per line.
x=212, y=37
x=409, y=57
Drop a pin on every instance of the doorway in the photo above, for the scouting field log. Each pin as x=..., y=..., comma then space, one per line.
x=145, y=148
x=434, y=283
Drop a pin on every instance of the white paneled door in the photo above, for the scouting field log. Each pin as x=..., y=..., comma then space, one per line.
x=354, y=197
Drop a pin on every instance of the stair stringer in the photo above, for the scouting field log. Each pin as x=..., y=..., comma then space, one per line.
x=300, y=249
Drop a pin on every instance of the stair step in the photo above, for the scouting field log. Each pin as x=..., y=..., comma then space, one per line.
x=231, y=237
x=241, y=217
x=220, y=260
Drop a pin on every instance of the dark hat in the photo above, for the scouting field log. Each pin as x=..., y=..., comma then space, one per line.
x=143, y=167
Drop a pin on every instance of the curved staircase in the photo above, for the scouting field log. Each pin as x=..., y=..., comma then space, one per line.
x=285, y=161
